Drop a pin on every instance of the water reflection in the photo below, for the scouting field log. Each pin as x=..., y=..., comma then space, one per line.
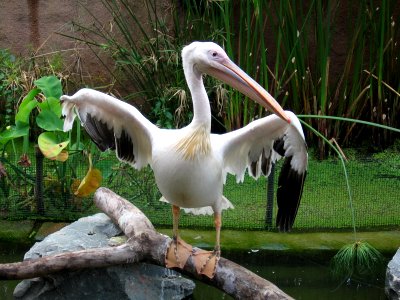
x=302, y=278
x=10, y=253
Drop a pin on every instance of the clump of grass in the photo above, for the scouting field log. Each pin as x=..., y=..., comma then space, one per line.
x=357, y=259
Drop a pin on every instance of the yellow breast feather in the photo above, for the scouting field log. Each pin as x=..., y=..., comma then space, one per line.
x=195, y=144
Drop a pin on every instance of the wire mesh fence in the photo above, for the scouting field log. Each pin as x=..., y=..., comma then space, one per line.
x=374, y=188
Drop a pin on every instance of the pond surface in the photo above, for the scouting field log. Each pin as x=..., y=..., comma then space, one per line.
x=10, y=253
x=301, y=278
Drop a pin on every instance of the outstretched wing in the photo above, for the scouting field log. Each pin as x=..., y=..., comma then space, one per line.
x=112, y=124
x=260, y=144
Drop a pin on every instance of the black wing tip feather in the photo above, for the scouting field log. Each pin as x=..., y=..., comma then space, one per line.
x=125, y=147
x=105, y=139
x=99, y=132
x=290, y=189
x=265, y=164
x=279, y=146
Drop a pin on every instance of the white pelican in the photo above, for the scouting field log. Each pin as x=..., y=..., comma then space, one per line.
x=190, y=164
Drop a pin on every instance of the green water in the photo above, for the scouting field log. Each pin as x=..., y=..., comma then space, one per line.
x=10, y=253
x=302, y=277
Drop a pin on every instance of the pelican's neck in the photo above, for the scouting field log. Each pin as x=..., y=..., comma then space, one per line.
x=196, y=143
x=201, y=104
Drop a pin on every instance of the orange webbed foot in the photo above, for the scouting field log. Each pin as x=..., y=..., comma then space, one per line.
x=177, y=253
x=206, y=261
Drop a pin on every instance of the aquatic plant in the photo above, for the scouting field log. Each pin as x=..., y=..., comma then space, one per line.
x=359, y=258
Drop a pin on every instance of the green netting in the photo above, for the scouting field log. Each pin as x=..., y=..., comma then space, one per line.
x=375, y=185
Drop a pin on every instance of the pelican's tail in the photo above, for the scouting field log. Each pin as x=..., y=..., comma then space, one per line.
x=68, y=112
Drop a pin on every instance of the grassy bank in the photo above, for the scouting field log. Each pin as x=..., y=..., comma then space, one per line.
x=374, y=183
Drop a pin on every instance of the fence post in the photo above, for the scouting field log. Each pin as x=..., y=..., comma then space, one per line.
x=270, y=198
x=39, y=181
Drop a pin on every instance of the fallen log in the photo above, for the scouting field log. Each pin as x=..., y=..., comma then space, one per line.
x=144, y=244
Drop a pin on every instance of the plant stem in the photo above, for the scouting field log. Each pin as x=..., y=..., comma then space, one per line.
x=353, y=219
x=350, y=120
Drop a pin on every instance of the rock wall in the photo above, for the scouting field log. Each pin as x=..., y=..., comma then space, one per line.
x=29, y=28
x=392, y=286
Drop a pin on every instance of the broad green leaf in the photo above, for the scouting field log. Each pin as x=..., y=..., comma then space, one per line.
x=12, y=132
x=52, y=104
x=51, y=148
x=78, y=146
x=50, y=86
x=31, y=95
x=25, y=108
x=49, y=121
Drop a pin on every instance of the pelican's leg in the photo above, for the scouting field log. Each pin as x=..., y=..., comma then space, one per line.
x=206, y=261
x=178, y=251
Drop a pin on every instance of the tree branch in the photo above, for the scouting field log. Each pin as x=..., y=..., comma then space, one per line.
x=144, y=244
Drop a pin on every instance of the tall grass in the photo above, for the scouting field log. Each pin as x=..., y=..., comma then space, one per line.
x=363, y=87
x=288, y=46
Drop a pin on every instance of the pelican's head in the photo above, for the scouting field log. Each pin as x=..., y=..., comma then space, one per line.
x=211, y=59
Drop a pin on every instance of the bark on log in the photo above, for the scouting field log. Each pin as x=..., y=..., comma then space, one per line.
x=143, y=244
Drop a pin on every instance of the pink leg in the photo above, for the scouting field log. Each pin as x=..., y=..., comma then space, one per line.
x=206, y=261
x=178, y=251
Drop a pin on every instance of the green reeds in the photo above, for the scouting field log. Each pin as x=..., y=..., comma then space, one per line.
x=290, y=47
x=357, y=87
x=306, y=77
x=146, y=55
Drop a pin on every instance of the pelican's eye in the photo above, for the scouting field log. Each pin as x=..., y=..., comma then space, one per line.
x=214, y=53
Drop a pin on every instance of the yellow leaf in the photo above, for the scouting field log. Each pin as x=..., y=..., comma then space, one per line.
x=91, y=182
x=62, y=156
x=75, y=185
x=51, y=148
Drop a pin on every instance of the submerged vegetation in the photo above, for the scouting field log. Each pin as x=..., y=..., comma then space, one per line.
x=356, y=260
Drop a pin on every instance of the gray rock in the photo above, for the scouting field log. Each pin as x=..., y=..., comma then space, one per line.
x=392, y=286
x=130, y=281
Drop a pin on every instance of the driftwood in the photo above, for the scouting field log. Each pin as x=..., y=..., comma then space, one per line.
x=144, y=244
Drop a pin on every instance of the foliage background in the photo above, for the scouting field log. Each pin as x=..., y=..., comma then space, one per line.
x=337, y=58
